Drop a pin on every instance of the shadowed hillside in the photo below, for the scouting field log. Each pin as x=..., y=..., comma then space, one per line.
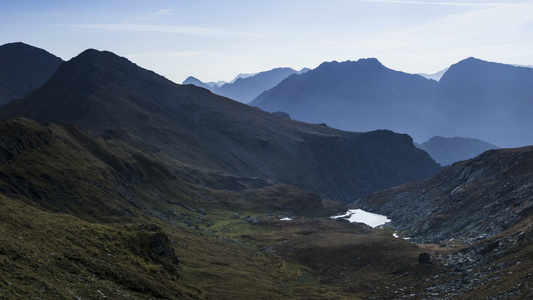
x=211, y=140
x=94, y=218
x=472, y=199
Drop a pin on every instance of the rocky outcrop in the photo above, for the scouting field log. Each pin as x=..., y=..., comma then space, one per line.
x=471, y=200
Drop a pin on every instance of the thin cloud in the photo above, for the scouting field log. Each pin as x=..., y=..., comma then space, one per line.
x=152, y=16
x=478, y=4
x=169, y=54
x=166, y=11
x=189, y=30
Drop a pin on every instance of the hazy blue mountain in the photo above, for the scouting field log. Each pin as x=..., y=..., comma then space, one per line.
x=197, y=82
x=23, y=68
x=245, y=87
x=447, y=151
x=358, y=95
x=242, y=76
x=217, y=84
x=435, y=76
x=485, y=100
x=474, y=98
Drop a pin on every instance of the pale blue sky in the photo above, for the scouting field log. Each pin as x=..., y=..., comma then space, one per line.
x=216, y=40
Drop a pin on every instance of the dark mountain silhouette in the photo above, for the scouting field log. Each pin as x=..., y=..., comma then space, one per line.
x=474, y=98
x=23, y=68
x=358, y=95
x=485, y=100
x=245, y=88
x=447, y=151
x=212, y=140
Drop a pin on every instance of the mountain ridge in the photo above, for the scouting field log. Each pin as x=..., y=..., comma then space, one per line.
x=447, y=151
x=211, y=139
x=338, y=93
x=471, y=99
x=245, y=87
x=465, y=200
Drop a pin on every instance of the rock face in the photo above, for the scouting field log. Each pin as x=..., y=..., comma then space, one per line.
x=23, y=69
x=211, y=140
x=158, y=247
x=471, y=200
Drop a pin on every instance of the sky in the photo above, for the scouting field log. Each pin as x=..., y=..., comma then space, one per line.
x=216, y=40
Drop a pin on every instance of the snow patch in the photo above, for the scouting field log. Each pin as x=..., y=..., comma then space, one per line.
x=361, y=216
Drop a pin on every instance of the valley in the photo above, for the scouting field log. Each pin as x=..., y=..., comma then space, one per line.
x=118, y=183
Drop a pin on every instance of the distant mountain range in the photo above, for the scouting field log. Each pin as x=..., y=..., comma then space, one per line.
x=358, y=95
x=245, y=87
x=474, y=98
x=215, y=141
x=447, y=151
x=24, y=68
x=435, y=76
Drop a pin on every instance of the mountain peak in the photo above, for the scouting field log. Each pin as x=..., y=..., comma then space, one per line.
x=97, y=57
x=370, y=61
x=23, y=68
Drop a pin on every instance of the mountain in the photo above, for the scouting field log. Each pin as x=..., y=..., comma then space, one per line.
x=197, y=82
x=474, y=98
x=486, y=100
x=97, y=218
x=23, y=68
x=245, y=87
x=483, y=204
x=211, y=140
x=358, y=95
x=218, y=83
x=435, y=76
x=171, y=192
x=92, y=217
x=447, y=151
x=242, y=76
x=472, y=199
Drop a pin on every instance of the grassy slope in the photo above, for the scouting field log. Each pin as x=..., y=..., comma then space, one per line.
x=58, y=256
x=75, y=212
